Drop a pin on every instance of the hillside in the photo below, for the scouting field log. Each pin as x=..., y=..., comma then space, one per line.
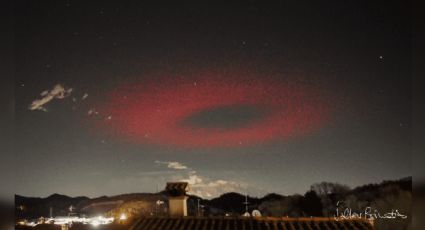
x=321, y=200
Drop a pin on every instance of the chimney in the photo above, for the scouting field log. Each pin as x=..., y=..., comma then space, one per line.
x=177, y=198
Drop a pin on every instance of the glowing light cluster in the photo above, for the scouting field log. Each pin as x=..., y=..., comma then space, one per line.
x=69, y=220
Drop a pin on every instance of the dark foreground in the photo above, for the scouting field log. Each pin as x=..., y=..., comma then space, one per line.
x=75, y=227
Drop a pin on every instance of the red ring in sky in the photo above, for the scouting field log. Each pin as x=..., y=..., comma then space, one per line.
x=153, y=112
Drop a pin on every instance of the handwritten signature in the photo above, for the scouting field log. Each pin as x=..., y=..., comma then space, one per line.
x=368, y=213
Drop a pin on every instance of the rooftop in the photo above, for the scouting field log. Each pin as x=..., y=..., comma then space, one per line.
x=240, y=223
x=177, y=188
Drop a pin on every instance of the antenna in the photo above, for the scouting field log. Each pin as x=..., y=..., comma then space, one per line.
x=246, y=214
x=246, y=203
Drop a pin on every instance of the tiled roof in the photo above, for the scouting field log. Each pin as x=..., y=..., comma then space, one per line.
x=177, y=188
x=228, y=223
x=176, y=185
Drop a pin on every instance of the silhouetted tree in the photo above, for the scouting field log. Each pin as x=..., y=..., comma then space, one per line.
x=288, y=206
x=312, y=204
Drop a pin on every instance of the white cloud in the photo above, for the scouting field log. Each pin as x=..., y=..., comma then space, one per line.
x=193, y=180
x=173, y=165
x=57, y=92
x=207, y=187
x=200, y=185
x=176, y=165
x=44, y=93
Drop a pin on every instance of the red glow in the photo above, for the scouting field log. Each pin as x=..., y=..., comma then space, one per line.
x=152, y=112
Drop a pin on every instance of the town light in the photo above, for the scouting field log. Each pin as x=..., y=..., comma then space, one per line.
x=123, y=217
x=95, y=223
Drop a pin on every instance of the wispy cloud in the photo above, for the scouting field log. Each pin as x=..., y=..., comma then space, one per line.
x=173, y=165
x=92, y=111
x=84, y=97
x=57, y=92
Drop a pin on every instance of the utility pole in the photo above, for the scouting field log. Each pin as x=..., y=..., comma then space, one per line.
x=157, y=202
x=199, y=206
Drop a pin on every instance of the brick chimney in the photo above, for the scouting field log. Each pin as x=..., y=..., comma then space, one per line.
x=177, y=198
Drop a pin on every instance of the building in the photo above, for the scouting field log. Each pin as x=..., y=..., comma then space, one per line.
x=177, y=198
x=179, y=220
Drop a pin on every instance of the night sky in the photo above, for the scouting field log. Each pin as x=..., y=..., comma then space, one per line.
x=253, y=97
